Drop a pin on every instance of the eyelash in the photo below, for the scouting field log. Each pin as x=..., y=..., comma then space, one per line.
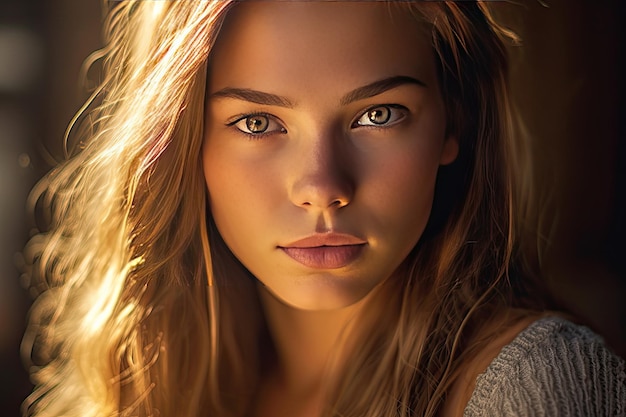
x=404, y=111
x=256, y=136
x=354, y=124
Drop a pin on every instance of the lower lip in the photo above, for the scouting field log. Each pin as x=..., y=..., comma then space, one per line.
x=325, y=257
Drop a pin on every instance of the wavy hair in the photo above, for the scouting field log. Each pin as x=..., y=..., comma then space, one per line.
x=142, y=310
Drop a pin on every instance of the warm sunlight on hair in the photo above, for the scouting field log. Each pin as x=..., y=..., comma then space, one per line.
x=100, y=306
x=295, y=209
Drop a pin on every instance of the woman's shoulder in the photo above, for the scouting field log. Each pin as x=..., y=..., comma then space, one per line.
x=555, y=368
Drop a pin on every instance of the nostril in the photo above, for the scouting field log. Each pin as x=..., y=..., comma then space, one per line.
x=321, y=190
x=338, y=203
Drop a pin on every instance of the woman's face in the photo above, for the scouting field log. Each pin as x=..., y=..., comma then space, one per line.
x=325, y=130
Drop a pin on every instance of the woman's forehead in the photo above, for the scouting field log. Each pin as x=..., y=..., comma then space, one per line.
x=319, y=45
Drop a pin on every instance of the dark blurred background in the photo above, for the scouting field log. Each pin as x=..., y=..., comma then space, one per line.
x=567, y=80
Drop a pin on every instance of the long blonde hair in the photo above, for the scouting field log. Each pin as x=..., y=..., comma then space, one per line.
x=142, y=310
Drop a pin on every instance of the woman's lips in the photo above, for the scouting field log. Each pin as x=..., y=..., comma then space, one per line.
x=325, y=257
x=325, y=251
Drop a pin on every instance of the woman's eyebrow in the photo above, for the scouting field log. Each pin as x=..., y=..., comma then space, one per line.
x=369, y=90
x=379, y=87
x=253, y=96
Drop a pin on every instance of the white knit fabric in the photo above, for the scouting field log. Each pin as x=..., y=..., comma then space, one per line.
x=553, y=368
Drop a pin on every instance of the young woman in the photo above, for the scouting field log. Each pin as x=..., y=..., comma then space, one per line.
x=300, y=209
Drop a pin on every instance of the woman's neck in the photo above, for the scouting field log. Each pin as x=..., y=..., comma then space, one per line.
x=310, y=347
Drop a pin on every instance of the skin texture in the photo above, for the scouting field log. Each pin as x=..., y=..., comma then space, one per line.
x=315, y=168
x=318, y=169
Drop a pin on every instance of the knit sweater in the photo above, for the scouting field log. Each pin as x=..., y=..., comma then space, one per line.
x=552, y=368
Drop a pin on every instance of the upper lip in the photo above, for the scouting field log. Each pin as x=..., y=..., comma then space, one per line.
x=326, y=239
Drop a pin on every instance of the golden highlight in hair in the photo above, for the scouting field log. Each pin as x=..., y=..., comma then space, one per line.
x=141, y=308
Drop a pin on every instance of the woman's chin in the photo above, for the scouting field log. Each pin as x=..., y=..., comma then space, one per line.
x=316, y=296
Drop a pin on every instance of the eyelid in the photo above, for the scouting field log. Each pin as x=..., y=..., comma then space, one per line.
x=272, y=119
x=398, y=107
x=233, y=120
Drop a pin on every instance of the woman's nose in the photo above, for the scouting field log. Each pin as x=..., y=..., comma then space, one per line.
x=323, y=177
